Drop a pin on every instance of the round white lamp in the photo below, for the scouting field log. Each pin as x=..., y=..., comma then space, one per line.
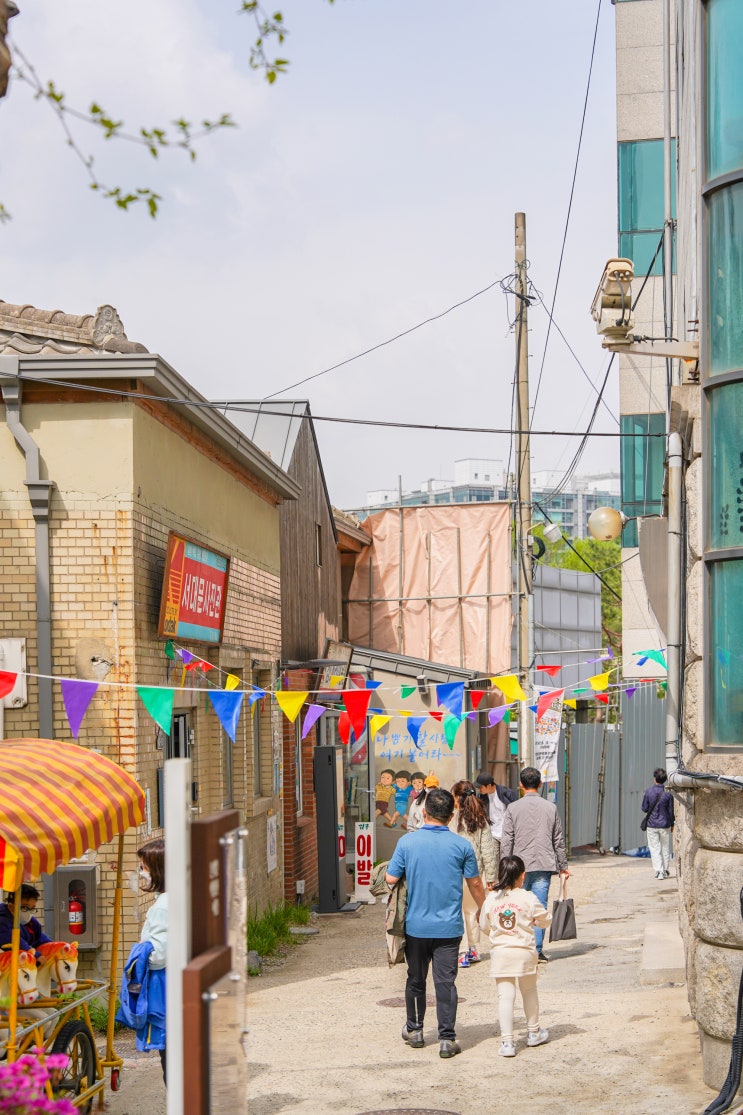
x=606, y=523
x=552, y=532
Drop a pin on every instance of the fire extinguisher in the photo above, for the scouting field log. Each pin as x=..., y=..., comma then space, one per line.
x=76, y=915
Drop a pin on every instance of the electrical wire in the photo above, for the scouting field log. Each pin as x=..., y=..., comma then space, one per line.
x=585, y=561
x=389, y=341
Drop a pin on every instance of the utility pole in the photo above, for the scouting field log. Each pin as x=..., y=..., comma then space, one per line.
x=523, y=497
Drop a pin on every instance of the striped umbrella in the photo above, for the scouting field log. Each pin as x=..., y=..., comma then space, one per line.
x=56, y=801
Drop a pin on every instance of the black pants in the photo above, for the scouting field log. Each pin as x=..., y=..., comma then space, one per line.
x=441, y=954
x=162, y=1062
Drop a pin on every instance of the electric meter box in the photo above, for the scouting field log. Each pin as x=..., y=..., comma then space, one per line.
x=75, y=905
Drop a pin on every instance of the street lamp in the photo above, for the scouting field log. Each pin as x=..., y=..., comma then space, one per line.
x=606, y=523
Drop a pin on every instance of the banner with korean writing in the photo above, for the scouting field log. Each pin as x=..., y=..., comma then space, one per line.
x=194, y=593
x=546, y=738
x=364, y=860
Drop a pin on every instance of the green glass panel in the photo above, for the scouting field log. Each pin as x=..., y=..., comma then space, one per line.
x=725, y=271
x=724, y=87
x=640, y=248
x=642, y=458
x=641, y=185
x=726, y=466
x=725, y=659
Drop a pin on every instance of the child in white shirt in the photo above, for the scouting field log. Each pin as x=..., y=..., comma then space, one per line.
x=508, y=916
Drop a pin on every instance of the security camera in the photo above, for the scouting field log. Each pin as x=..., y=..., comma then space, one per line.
x=611, y=308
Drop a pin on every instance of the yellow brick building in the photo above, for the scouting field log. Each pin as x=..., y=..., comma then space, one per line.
x=105, y=449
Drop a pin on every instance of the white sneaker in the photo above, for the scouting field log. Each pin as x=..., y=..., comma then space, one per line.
x=507, y=1049
x=538, y=1038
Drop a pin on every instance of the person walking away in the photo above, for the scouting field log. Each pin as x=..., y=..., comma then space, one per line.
x=496, y=800
x=509, y=916
x=657, y=803
x=434, y=861
x=533, y=832
x=470, y=821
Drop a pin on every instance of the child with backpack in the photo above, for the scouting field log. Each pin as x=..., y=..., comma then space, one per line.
x=508, y=916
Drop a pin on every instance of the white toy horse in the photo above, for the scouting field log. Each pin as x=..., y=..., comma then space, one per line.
x=57, y=962
x=27, y=991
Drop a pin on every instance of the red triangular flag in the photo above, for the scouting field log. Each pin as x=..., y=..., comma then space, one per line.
x=476, y=695
x=546, y=700
x=437, y=714
x=551, y=670
x=7, y=682
x=603, y=697
x=344, y=727
x=356, y=702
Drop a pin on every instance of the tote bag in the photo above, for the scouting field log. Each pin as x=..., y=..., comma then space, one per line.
x=563, y=916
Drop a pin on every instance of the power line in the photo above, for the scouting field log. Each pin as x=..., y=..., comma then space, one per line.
x=389, y=341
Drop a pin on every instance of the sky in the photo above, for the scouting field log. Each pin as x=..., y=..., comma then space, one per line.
x=370, y=188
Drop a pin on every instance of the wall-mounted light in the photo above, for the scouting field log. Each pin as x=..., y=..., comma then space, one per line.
x=422, y=683
x=606, y=523
x=552, y=532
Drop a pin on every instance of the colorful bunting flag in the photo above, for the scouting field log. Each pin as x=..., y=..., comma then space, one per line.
x=407, y=691
x=599, y=681
x=256, y=695
x=356, y=703
x=451, y=727
x=546, y=700
x=570, y=702
x=476, y=696
x=290, y=702
x=629, y=692
x=344, y=728
x=609, y=653
x=227, y=706
x=603, y=697
x=170, y=649
x=551, y=670
x=186, y=656
x=437, y=714
x=7, y=682
x=377, y=723
x=414, y=726
x=313, y=714
x=159, y=704
x=495, y=715
x=231, y=682
x=509, y=687
x=451, y=697
x=372, y=684
x=77, y=695
x=507, y=717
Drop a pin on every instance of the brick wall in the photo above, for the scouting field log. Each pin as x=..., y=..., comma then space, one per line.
x=300, y=831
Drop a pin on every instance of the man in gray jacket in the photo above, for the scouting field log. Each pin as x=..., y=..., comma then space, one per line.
x=532, y=830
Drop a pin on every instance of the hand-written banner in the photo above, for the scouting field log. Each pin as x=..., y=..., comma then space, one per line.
x=546, y=737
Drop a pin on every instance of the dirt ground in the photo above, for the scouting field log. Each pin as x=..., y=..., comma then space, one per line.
x=325, y=1025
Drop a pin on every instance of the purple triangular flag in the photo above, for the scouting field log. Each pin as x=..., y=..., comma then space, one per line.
x=77, y=695
x=495, y=715
x=632, y=689
x=313, y=714
x=227, y=704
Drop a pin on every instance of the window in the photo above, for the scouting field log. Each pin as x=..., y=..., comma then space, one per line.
x=641, y=202
x=725, y=527
x=724, y=87
x=642, y=468
x=318, y=544
x=726, y=654
x=725, y=279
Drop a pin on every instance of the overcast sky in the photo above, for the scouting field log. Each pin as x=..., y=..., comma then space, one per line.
x=372, y=187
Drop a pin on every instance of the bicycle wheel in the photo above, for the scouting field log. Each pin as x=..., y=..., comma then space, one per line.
x=76, y=1040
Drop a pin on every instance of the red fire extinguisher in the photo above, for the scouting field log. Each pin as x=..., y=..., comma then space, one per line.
x=76, y=915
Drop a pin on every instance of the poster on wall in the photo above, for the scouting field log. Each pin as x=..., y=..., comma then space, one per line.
x=403, y=767
x=546, y=738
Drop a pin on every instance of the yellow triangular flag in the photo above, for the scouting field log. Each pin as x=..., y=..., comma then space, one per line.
x=599, y=682
x=570, y=702
x=290, y=703
x=509, y=687
x=404, y=712
x=231, y=681
x=377, y=723
x=335, y=680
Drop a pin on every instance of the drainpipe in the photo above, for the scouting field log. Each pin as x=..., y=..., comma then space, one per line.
x=673, y=634
x=39, y=492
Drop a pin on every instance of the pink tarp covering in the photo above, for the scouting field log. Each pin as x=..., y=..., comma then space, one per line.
x=455, y=588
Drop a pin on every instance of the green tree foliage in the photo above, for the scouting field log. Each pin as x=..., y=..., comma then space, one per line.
x=591, y=556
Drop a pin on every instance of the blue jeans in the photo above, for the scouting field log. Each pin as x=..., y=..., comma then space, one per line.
x=538, y=882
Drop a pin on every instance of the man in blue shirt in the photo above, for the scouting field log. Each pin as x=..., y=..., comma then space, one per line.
x=32, y=935
x=434, y=861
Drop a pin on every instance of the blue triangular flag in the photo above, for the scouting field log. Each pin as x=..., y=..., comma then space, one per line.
x=451, y=696
x=414, y=724
x=227, y=705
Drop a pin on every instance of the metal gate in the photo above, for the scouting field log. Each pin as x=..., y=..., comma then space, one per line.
x=606, y=810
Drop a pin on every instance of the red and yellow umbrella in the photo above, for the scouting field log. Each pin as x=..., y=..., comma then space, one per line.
x=56, y=801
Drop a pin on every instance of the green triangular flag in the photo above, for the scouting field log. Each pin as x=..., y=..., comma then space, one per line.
x=169, y=649
x=451, y=727
x=507, y=717
x=159, y=704
x=406, y=690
